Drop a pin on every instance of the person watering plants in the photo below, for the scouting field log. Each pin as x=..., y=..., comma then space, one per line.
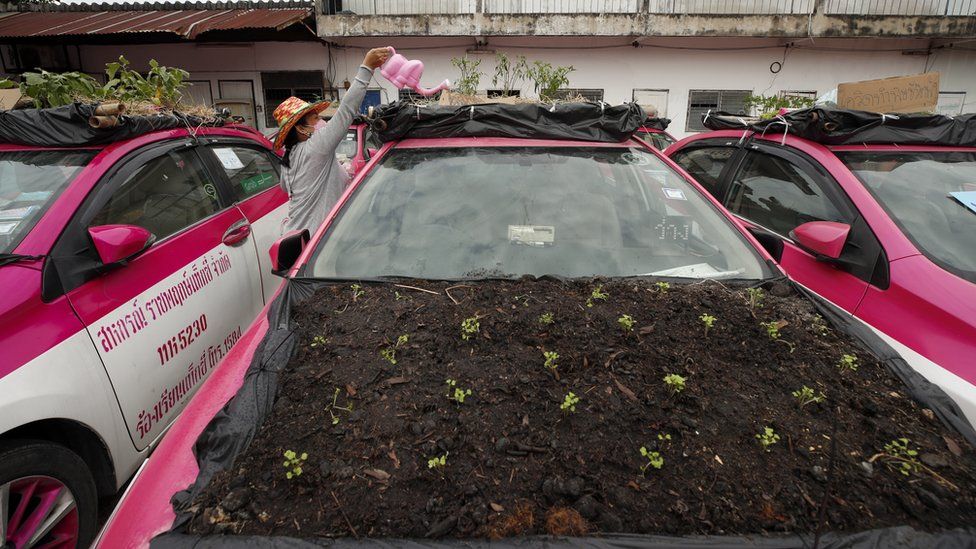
x=311, y=173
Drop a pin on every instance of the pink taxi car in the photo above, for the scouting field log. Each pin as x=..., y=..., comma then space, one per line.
x=129, y=270
x=878, y=225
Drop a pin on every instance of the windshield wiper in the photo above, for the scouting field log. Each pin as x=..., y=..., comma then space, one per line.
x=8, y=259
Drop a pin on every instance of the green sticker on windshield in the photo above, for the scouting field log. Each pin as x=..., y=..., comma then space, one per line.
x=256, y=182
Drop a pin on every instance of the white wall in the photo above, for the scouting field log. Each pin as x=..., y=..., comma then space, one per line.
x=618, y=68
x=678, y=65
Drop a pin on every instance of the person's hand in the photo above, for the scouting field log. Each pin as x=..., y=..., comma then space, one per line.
x=376, y=57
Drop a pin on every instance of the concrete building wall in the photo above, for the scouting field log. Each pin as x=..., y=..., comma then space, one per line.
x=677, y=65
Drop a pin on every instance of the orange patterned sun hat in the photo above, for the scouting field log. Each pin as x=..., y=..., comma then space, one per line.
x=290, y=112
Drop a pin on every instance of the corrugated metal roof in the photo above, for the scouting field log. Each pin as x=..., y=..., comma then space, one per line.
x=186, y=23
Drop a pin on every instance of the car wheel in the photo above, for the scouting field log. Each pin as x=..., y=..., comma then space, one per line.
x=47, y=497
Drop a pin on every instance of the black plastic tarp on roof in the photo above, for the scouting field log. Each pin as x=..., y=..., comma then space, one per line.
x=657, y=123
x=831, y=126
x=567, y=121
x=231, y=430
x=68, y=126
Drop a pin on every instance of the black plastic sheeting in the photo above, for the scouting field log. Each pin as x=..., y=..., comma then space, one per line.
x=68, y=126
x=233, y=428
x=657, y=123
x=832, y=126
x=568, y=121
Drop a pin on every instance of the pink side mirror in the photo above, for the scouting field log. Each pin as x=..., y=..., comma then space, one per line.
x=286, y=250
x=406, y=73
x=825, y=239
x=117, y=244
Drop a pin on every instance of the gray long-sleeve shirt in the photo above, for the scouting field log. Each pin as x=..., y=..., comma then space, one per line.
x=315, y=180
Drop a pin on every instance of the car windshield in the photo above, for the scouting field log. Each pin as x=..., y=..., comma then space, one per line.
x=924, y=192
x=30, y=181
x=658, y=140
x=479, y=212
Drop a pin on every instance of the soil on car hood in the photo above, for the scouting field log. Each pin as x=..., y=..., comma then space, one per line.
x=384, y=449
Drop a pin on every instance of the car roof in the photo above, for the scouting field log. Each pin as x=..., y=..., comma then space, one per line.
x=455, y=142
x=777, y=137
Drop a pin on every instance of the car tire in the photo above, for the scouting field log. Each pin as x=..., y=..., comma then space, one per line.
x=61, y=488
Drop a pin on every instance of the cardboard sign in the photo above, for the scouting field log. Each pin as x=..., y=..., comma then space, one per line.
x=9, y=98
x=918, y=93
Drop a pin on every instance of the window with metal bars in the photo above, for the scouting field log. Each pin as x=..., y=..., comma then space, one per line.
x=702, y=101
x=410, y=95
x=585, y=93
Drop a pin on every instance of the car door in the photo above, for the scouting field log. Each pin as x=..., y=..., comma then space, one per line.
x=776, y=189
x=162, y=321
x=252, y=174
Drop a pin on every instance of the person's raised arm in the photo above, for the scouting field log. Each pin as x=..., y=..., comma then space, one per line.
x=326, y=140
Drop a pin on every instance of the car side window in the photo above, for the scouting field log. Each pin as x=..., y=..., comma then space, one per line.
x=165, y=195
x=705, y=164
x=250, y=170
x=778, y=195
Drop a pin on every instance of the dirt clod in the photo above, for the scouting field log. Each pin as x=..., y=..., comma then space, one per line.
x=562, y=521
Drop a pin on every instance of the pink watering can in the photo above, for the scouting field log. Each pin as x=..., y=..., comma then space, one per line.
x=406, y=73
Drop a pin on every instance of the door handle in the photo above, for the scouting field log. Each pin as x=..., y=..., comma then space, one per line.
x=237, y=233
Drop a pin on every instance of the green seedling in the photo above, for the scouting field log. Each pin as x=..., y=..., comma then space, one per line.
x=654, y=459
x=389, y=353
x=469, y=327
x=569, y=403
x=708, y=320
x=456, y=394
x=664, y=437
x=626, y=322
x=546, y=318
x=662, y=287
x=551, y=358
x=820, y=325
x=901, y=457
x=772, y=329
x=318, y=341
x=848, y=362
x=399, y=296
x=293, y=464
x=767, y=438
x=357, y=291
x=597, y=295
x=334, y=406
x=439, y=461
x=756, y=296
x=805, y=396
x=675, y=383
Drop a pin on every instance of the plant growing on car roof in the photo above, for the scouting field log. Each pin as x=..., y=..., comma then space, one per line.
x=293, y=464
x=819, y=325
x=437, y=461
x=357, y=291
x=551, y=360
x=708, y=320
x=848, y=362
x=805, y=395
x=546, y=318
x=653, y=458
x=162, y=86
x=507, y=72
x=626, y=322
x=456, y=394
x=469, y=327
x=772, y=329
x=662, y=287
x=334, y=406
x=467, y=83
x=675, y=383
x=901, y=457
x=52, y=89
x=318, y=341
x=548, y=79
x=768, y=106
x=756, y=296
x=597, y=295
x=389, y=353
x=767, y=438
x=569, y=402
